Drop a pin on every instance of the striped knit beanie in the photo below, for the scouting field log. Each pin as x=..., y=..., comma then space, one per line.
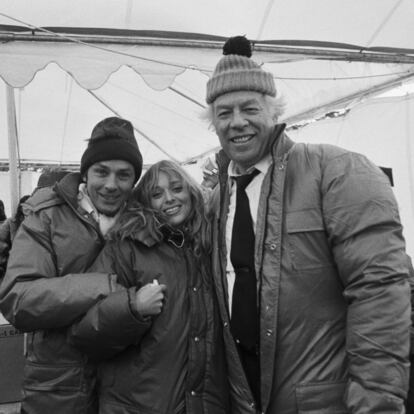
x=235, y=71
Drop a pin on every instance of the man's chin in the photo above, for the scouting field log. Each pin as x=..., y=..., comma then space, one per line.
x=109, y=212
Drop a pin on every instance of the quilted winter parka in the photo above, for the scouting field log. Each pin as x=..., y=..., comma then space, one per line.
x=176, y=364
x=332, y=285
x=45, y=289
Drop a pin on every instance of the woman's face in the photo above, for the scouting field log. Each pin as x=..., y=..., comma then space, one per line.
x=172, y=198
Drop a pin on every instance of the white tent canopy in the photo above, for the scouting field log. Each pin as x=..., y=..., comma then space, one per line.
x=323, y=55
x=69, y=64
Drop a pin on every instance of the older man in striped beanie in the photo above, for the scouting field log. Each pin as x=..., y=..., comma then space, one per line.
x=309, y=260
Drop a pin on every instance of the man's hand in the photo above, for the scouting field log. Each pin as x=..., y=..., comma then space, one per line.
x=149, y=299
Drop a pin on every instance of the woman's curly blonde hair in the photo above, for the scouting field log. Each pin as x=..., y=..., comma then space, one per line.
x=196, y=226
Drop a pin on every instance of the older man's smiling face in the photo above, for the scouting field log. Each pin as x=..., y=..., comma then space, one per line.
x=244, y=124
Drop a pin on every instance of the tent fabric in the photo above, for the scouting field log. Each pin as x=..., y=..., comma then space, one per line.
x=366, y=24
x=55, y=117
x=158, y=96
x=71, y=64
x=306, y=82
x=311, y=82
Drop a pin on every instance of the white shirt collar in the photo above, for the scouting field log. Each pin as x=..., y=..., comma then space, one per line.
x=263, y=165
x=85, y=202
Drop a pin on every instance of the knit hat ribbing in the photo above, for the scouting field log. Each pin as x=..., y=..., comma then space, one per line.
x=237, y=72
x=112, y=139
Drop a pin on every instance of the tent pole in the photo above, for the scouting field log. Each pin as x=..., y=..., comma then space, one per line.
x=317, y=50
x=12, y=135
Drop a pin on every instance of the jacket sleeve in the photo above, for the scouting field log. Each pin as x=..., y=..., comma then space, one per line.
x=113, y=323
x=32, y=296
x=410, y=396
x=364, y=230
x=109, y=327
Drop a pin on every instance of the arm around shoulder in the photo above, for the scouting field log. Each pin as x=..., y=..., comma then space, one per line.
x=34, y=294
x=110, y=326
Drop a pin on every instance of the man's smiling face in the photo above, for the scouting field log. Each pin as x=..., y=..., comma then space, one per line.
x=244, y=124
x=109, y=184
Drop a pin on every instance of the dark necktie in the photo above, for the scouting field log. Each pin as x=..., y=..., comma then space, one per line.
x=244, y=316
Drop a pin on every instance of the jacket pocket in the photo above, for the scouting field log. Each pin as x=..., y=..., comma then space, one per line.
x=307, y=241
x=321, y=398
x=44, y=377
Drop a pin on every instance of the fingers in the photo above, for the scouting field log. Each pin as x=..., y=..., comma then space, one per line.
x=150, y=288
x=150, y=299
x=155, y=282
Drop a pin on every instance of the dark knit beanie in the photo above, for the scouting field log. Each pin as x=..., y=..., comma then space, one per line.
x=112, y=139
x=235, y=71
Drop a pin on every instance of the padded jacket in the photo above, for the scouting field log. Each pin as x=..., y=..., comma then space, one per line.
x=173, y=364
x=45, y=289
x=332, y=285
x=8, y=229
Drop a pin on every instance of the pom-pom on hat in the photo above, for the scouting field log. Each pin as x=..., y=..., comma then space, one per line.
x=235, y=71
x=112, y=139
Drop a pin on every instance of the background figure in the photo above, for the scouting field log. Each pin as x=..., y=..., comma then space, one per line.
x=47, y=286
x=8, y=230
x=9, y=227
x=49, y=177
x=161, y=336
x=309, y=260
x=3, y=216
x=210, y=177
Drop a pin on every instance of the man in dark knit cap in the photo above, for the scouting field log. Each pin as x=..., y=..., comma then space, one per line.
x=309, y=260
x=46, y=287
